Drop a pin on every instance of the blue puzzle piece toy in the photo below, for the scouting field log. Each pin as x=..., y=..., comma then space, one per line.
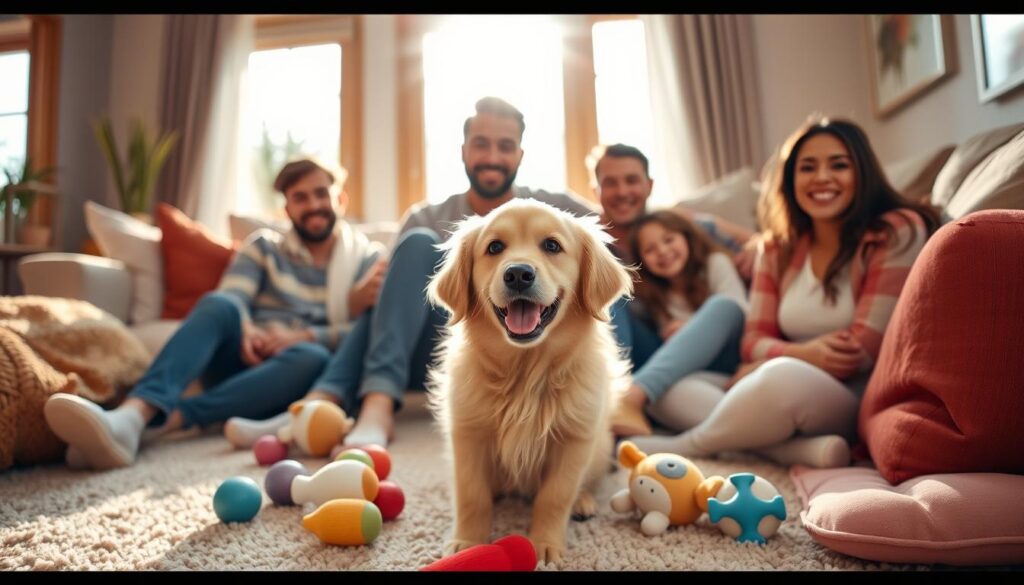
x=746, y=508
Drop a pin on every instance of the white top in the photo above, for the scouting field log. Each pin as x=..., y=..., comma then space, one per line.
x=722, y=279
x=804, y=312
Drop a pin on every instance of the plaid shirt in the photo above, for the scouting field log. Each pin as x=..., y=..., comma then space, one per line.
x=877, y=275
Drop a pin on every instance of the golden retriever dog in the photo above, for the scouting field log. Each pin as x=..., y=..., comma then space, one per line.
x=527, y=375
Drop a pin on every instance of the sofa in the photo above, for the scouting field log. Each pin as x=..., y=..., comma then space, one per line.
x=888, y=513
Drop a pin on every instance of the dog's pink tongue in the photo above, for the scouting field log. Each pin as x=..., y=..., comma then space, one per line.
x=522, y=317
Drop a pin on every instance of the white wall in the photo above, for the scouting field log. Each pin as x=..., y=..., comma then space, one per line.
x=380, y=118
x=85, y=66
x=808, y=63
x=950, y=112
x=820, y=62
x=135, y=73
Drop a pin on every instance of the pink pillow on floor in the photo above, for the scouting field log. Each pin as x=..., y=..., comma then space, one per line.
x=949, y=518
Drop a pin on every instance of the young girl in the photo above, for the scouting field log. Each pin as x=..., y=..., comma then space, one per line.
x=839, y=244
x=689, y=287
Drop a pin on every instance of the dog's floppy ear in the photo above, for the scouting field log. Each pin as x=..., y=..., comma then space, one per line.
x=602, y=278
x=452, y=285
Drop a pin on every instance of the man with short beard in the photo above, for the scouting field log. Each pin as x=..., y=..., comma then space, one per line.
x=257, y=343
x=390, y=349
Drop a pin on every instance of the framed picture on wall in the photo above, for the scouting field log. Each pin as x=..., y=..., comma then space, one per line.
x=908, y=54
x=998, y=53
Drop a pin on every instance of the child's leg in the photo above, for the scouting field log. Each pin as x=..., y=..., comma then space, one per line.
x=783, y=397
x=689, y=401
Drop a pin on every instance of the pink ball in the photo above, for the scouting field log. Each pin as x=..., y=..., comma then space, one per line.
x=390, y=500
x=268, y=450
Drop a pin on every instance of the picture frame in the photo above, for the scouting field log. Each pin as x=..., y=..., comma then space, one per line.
x=998, y=53
x=908, y=54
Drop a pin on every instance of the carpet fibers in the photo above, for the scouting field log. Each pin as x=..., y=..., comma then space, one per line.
x=158, y=514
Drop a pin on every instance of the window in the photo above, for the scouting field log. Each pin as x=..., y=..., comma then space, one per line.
x=623, y=95
x=578, y=79
x=14, y=70
x=462, y=63
x=294, y=109
x=303, y=97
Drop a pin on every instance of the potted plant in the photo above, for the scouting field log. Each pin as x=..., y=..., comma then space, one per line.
x=135, y=177
x=20, y=192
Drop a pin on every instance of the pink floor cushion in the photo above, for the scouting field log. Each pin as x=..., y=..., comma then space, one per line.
x=950, y=518
x=947, y=393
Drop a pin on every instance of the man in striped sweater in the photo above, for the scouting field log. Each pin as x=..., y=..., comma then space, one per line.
x=257, y=343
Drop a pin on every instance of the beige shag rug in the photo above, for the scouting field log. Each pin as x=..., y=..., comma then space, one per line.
x=158, y=514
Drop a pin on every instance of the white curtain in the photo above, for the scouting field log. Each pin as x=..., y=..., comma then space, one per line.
x=704, y=95
x=205, y=60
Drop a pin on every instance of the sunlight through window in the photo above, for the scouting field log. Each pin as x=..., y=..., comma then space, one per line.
x=516, y=58
x=623, y=95
x=13, y=110
x=293, y=109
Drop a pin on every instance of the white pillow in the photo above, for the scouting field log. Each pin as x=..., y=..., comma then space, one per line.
x=241, y=226
x=137, y=244
x=733, y=197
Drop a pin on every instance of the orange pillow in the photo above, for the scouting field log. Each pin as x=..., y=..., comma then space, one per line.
x=194, y=260
x=947, y=393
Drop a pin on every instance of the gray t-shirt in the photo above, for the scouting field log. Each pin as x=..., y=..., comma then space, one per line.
x=442, y=217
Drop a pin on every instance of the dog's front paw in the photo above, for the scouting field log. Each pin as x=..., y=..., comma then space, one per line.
x=585, y=507
x=455, y=545
x=548, y=552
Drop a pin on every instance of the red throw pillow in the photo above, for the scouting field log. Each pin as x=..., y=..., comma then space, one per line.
x=194, y=260
x=947, y=393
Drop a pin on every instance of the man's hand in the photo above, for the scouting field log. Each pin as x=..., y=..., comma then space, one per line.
x=277, y=339
x=253, y=340
x=671, y=327
x=838, y=353
x=364, y=293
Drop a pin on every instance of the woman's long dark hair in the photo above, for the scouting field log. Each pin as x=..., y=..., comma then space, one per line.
x=652, y=290
x=782, y=217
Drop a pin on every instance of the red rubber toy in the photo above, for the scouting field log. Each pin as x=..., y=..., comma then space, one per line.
x=510, y=553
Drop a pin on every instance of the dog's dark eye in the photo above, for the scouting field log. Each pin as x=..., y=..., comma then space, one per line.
x=495, y=247
x=551, y=245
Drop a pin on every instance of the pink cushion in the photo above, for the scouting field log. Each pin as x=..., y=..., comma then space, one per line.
x=950, y=518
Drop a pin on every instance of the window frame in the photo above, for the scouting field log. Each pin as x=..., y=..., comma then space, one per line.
x=580, y=102
x=280, y=31
x=42, y=40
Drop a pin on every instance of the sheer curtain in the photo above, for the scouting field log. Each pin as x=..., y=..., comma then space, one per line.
x=205, y=57
x=704, y=95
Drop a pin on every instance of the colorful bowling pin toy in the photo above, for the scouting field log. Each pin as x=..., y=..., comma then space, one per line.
x=339, y=479
x=347, y=522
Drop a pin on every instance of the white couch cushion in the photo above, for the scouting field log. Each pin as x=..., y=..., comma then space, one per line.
x=733, y=197
x=155, y=333
x=137, y=244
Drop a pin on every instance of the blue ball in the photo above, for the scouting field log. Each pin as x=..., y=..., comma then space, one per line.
x=238, y=499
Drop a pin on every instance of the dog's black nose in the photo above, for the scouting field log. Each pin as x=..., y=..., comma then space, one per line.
x=519, y=277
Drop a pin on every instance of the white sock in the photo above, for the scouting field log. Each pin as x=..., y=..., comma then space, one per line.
x=681, y=444
x=104, y=439
x=243, y=432
x=821, y=451
x=366, y=434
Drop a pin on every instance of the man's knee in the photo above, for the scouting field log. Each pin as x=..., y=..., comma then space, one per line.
x=307, y=356
x=216, y=305
x=418, y=243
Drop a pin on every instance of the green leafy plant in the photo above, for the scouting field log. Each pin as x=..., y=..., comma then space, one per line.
x=136, y=176
x=19, y=184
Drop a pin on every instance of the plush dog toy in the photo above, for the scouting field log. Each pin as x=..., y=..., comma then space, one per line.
x=669, y=490
x=316, y=426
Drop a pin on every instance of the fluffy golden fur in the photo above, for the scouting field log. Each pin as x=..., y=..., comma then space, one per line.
x=527, y=416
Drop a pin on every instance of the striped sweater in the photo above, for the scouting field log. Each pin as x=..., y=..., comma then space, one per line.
x=877, y=274
x=272, y=279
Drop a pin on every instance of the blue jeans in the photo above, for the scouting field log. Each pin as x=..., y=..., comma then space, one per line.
x=208, y=346
x=710, y=340
x=390, y=347
x=636, y=339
